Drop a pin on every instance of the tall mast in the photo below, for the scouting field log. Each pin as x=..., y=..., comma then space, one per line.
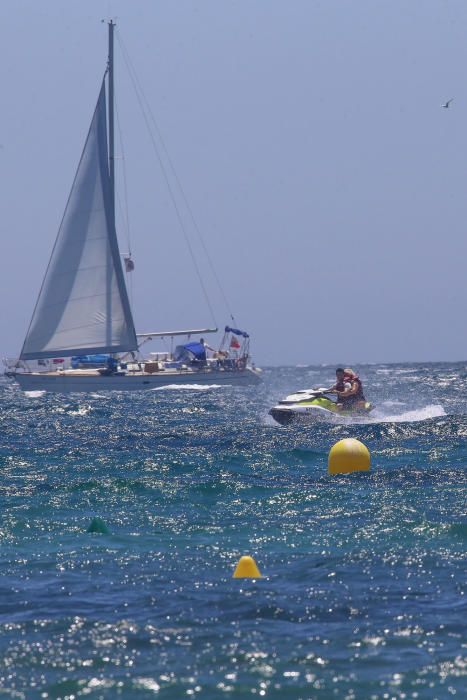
x=112, y=181
x=111, y=117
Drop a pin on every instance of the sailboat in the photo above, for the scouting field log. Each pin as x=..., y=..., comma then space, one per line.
x=82, y=335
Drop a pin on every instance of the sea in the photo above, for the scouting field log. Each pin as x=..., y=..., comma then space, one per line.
x=362, y=593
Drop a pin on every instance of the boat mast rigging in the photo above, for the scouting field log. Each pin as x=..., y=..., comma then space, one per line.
x=170, y=174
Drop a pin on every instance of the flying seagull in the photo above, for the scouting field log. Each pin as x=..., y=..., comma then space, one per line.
x=446, y=104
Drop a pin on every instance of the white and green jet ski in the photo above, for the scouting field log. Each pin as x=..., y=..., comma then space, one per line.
x=311, y=404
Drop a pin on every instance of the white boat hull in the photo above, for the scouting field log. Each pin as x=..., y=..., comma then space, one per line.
x=66, y=382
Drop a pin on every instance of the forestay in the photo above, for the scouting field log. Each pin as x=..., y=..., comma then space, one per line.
x=83, y=304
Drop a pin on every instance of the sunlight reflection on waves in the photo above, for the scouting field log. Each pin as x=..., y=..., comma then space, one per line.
x=362, y=573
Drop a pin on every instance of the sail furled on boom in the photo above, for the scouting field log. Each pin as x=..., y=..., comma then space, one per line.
x=83, y=304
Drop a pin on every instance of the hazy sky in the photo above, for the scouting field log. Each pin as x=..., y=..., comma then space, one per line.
x=328, y=183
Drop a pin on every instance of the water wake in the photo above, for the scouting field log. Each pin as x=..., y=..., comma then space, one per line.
x=413, y=416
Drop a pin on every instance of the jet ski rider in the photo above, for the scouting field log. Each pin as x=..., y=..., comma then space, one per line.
x=349, y=390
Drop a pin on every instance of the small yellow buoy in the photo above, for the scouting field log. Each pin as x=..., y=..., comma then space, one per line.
x=348, y=456
x=246, y=568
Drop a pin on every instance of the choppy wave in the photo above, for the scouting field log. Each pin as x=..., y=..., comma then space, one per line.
x=363, y=588
x=35, y=394
x=80, y=411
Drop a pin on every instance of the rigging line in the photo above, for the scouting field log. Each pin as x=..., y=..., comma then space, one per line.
x=124, y=207
x=136, y=82
x=177, y=179
x=170, y=190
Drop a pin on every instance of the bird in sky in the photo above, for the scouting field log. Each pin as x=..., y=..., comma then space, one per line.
x=446, y=104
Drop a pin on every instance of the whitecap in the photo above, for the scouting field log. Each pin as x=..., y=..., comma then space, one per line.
x=414, y=416
x=80, y=411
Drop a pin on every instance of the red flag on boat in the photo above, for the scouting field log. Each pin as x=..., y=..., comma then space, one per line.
x=234, y=343
x=58, y=360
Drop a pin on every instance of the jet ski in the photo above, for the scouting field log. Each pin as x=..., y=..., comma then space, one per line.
x=311, y=404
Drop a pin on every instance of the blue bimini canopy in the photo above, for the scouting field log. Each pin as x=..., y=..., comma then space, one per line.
x=236, y=331
x=190, y=351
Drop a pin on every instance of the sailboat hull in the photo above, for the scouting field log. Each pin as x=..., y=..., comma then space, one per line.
x=67, y=382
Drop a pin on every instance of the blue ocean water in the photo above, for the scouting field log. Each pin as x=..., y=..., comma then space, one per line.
x=363, y=595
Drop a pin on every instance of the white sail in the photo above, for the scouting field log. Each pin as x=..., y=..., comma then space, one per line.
x=83, y=304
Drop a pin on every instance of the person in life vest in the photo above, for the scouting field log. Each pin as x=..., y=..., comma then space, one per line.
x=352, y=398
x=349, y=390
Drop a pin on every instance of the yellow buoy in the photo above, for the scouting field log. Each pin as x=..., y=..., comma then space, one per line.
x=348, y=456
x=246, y=568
